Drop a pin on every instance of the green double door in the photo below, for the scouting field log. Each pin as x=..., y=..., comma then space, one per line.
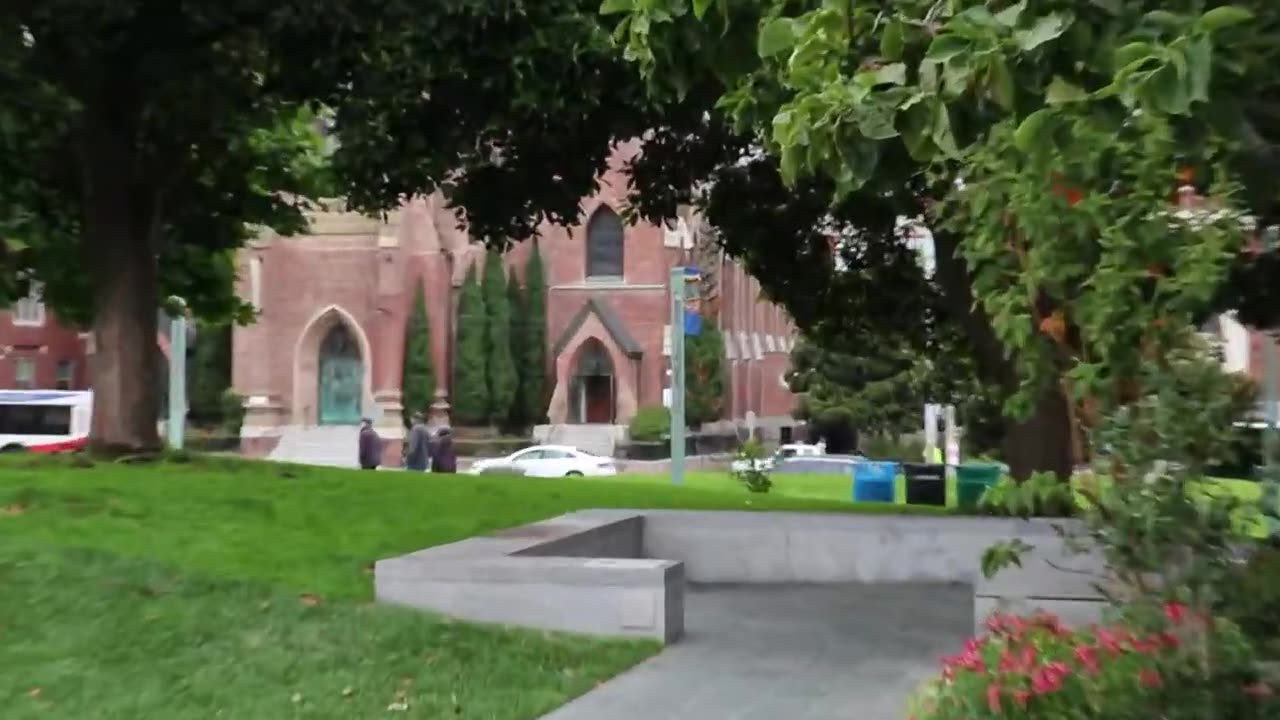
x=341, y=378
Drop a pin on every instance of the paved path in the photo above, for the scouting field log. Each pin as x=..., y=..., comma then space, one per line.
x=820, y=652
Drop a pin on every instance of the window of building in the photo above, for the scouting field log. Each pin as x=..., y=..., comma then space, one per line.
x=30, y=309
x=66, y=378
x=24, y=373
x=604, y=245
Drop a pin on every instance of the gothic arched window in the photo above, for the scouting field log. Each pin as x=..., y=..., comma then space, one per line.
x=604, y=244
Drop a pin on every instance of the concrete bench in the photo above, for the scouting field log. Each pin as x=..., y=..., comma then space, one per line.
x=592, y=571
x=577, y=573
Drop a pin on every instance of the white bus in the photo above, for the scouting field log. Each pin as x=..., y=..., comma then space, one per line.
x=44, y=421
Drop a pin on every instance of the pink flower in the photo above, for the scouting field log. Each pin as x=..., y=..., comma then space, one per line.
x=1087, y=656
x=1111, y=641
x=993, y=698
x=1150, y=678
x=1021, y=697
x=1170, y=640
x=1176, y=612
x=1049, y=678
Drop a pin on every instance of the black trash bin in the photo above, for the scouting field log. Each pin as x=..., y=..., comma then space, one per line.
x=926, y=484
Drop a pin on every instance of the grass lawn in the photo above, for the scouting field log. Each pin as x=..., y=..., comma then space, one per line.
x=225, y=588
x=808, y=486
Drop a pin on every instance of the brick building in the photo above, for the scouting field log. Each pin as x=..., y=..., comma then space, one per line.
x=37, y=352
x=327, y=346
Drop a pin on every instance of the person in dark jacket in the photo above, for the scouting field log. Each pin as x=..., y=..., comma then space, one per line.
x=443, y=458
x=417, y=454
x=370, y=446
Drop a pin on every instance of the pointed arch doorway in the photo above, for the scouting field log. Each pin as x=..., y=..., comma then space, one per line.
x=340, y=378
x=592, y=399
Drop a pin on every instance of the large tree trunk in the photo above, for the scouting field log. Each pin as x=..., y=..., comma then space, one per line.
x=121, y=259
x=1040, y=442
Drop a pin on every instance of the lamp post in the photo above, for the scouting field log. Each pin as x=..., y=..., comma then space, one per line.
x=177, y=373
x=1271, y=441
x=676, y=283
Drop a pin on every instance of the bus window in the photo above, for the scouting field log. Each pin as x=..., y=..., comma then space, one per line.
x=27, y=419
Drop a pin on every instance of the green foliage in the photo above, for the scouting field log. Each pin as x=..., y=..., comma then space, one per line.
x=470, y=393
x=877, y=390
x=418, y=374
x=650, y=423
x=704, y=373
x=533, y=359
x=499, y=367
x=1041, y=495
x=233, y=412
x=209, y=374
x=751, y=471
x=1252, y=599
x=891, y=447
x=519, y=331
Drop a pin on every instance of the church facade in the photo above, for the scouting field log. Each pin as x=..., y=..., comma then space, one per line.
x=327, y=346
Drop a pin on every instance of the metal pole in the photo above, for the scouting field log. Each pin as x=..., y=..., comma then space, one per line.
x=177, y=380
x=1271, y=443
x=676, y=281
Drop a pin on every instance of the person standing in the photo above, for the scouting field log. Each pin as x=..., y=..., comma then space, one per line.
x=443, y=458
x=370, y=446
x=417, y=454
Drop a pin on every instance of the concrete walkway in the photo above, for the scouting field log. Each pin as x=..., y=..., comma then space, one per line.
x=769, y=652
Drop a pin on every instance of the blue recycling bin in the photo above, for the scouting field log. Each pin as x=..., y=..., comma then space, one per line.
x=875, y=481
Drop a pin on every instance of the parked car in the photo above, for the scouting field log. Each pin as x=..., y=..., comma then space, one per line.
x=548, y=461
x=785, y=452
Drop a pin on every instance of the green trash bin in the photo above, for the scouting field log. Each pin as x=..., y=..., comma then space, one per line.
x=972, y=480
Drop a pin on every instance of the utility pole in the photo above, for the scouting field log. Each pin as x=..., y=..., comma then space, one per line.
x=676, y=281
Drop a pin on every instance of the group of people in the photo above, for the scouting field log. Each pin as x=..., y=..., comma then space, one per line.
x=422, y=450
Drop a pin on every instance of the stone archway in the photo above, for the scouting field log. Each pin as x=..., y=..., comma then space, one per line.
x=593, y=389
x=332, y=371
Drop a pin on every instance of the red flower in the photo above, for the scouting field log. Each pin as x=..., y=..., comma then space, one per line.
x=1170, y=640
x=1049, y=678
x=1111, y=641
x=993, y=697
x=1021, y=697
x=1176, y=612
x=1150, y=678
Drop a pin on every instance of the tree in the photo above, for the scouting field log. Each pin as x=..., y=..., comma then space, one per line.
x=915, y=91
x=418, y=373
x=147, y=140
x=470, y=392
x=519, y=331
x=534, y=357
x=704, y=375
x=499, y=368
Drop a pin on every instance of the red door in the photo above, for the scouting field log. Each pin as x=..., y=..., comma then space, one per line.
x=599, y=392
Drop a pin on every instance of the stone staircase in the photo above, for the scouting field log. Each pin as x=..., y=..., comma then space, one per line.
x=328, y=445
x=595, y=439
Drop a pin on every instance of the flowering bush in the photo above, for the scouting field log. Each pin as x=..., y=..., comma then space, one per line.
x=1182, y=665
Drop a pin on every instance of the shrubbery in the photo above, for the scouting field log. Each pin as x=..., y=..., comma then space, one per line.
x=650, y=424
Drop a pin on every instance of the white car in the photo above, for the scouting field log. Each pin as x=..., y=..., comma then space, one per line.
x=789, y=450
x=548, y=461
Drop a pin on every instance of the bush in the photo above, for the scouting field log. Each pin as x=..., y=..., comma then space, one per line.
x=1041, y=495
x=232, y=413
x=1252, y=600
x=895, y=449
x=650, y=423
x=1176, y=667
x=753, y=475
x=492, y=447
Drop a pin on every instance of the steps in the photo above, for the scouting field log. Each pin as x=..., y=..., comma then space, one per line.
x=595, y=439
x=328, y=445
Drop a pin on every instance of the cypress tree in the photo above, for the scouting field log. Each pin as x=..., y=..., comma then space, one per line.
x=534, y=360
x=501, y=370
x=519, y=324
x=704, y=375
x=470, y=398
x=418, y=375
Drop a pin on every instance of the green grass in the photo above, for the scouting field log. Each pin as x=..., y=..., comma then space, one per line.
x=808, y=486
x=225, y=588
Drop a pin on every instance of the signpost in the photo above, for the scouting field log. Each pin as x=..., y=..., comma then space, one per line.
x=177, y=375
x=685, y=320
